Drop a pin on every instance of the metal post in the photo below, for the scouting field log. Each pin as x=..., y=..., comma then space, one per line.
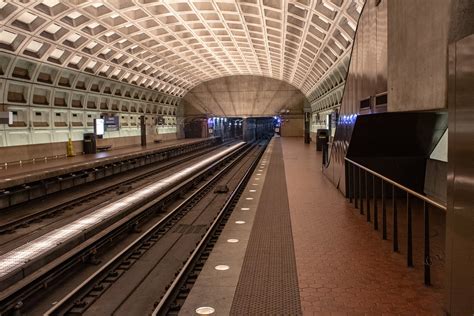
x=349, y=182
x=356, y=199
x=409, y=233
x=367, y=196
x=427, y=263
x=360, y=191
x=376, y=211
x=384, y=213
x=395, y=220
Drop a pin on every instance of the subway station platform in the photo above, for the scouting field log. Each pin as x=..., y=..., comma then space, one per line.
x=18, y=174
x=294, y=245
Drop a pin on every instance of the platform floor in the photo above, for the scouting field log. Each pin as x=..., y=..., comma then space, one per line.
x=342, y=265
x=15, y=173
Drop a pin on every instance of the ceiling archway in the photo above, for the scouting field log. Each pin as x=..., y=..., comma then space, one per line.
x=244, y=96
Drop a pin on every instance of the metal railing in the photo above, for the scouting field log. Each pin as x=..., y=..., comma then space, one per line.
x=360, y=194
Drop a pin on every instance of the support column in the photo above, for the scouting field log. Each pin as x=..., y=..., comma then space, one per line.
x=460, y=212
x=143, y=130
x=307, y=120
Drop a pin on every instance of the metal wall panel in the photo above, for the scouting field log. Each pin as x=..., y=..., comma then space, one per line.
x=363, y=78
x=460, y=214
x=381, y=44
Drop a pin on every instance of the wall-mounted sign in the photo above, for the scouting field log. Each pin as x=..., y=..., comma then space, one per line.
x=6, y=118
x=111, y=123
x=99, y=127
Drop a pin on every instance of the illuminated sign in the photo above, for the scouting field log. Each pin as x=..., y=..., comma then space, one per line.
x=99, y=127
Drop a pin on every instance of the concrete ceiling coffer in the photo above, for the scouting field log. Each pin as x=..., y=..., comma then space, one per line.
x=173, y=46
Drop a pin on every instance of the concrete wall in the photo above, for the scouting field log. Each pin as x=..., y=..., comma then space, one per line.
x=292, y=126
x=367, y=77
x=38, y=151
x=53, y=110
x=243, y=96
x=417, y=54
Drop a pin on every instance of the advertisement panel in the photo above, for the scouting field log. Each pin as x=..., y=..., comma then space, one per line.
x=112, y=123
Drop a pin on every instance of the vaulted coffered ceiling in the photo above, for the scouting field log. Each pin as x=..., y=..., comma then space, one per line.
x=172, y=46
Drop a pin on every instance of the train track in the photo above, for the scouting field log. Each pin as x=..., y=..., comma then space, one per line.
x=25, y=220
x=198, y=212
x=172, y=301
x=19, y=295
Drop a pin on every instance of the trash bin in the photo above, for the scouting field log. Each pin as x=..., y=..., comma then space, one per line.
x=322, y=138
x=90, y=145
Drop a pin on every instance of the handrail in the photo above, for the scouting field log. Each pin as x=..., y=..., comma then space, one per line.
x=410, y=191
x=358, y=191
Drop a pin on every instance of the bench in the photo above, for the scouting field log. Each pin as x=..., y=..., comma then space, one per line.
x=157, y=141
x=104, y=147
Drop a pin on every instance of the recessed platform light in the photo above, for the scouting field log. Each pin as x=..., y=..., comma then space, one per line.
x=222, y=267
x=245, y=208
x=205, y=310
x=232, y=240
x=252, y=191
x=240, y=222
x=249, y=198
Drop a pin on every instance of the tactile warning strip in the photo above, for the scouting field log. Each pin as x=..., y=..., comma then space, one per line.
x=268, y=283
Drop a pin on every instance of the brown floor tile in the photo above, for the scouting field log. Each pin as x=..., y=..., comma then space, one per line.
x=343, y=265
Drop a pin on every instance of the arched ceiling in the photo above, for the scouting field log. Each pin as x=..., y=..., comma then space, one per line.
x=244, y=96
x=174, y=45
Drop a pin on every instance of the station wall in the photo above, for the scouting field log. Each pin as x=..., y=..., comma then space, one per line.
x=417, y=54
x=244, y=96
x=50, y=104
x=292, y=126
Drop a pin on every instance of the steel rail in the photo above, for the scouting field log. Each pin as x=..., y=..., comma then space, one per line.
x=24, y=220
x=162, y=307
x=75, y=296
x=12, y=298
